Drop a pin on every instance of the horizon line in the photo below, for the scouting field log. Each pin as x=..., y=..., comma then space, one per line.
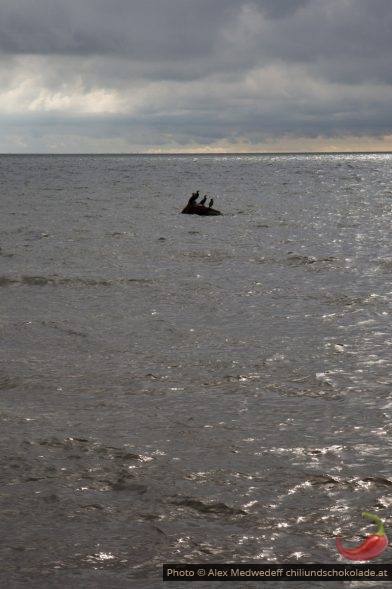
x=196, y=153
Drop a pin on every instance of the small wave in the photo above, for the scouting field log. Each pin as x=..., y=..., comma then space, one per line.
x=345, y=300
x=214, y=508
x=7, y=382
x=7, y=281
x=386, y=481
x=384, y=264
x=307, y=452
x=5, y=255
x=294, y=259
x=90, y=447
x=82, y=464
x=63, y=329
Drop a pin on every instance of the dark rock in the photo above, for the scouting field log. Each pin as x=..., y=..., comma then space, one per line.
x=196, y=209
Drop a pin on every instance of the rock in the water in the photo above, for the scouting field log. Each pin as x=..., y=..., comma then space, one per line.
x=196, y=209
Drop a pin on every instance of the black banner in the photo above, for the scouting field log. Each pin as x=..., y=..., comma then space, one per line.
x=277, y=572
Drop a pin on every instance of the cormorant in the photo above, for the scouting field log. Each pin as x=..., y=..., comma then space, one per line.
x=203, y=200
x=210, y=203
x=194, y=197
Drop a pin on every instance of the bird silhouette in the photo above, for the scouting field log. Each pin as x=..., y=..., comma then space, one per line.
x=194, y=197
x=203, y=200
x=210, y=203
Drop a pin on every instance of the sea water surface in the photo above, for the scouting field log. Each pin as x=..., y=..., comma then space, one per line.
x=176, y=388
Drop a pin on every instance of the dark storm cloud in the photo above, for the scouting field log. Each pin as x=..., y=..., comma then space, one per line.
x=344, y=41
x=337, y=35
x=279, y=8
x=136, y=28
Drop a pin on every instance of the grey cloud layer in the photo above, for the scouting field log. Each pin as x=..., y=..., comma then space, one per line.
x=211, y=69
x=337, y=35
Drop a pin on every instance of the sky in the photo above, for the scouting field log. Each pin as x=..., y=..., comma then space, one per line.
x=195, y=76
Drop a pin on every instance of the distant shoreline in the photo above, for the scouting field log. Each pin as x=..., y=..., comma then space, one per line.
x=198, y=154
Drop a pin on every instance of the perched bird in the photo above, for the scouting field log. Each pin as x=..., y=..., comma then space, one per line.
x=210, y=203
x=203, y=200
x=194, y=197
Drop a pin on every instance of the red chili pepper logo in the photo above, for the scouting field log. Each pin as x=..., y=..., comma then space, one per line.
x=372, y=547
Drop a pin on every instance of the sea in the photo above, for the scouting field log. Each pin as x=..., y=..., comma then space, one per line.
x=192, y=389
